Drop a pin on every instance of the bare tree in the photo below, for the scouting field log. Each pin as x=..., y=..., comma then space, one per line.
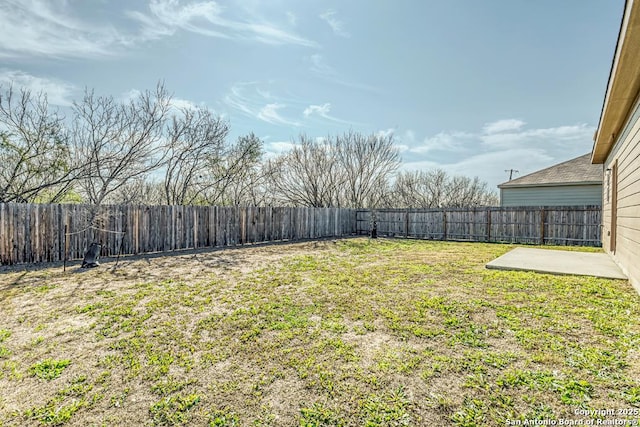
x=351, y=170
x=140, y=191
x=463, y=191
x=197, y=143
x=238, y=176
x=35, y=161
x=421, y=189
x=431, y=189
x=118, y=142
x=308, y=175
x=366, y=163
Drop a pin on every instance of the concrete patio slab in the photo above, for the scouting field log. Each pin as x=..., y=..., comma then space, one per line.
x=558, y=262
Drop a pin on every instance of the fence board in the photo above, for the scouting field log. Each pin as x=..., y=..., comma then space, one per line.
x=554, y=225
x=36, y=232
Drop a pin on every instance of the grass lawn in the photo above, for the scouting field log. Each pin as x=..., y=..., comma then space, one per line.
x=334, y=333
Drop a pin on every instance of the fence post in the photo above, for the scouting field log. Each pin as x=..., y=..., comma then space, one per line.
x=444, y=224
x=64, y=262
x=136, y=232
x=584, y=226
x=472, y=229
x=406, y=224
x=542, y=226
x=488, y=224
x=240, y=224
x=195, y=227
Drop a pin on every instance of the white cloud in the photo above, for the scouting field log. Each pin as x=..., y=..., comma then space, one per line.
x=321, y=110
x=504, y=135
x=264, y=93
x=252, y=99
x=503, y=126
x=490, y=167
x=444, y=141
x=385, y=133
x=269, y=113
x=280, y=146
x=52, y=28
x=48, y=28
x=184, y=104
x=131, y=94
x=166, y=17
x=58, y=92
x=238, y=99
x=496, y=147
x=404, y=142
x=319, y=66
x=573, y=132
x=494, y=163
x=409, y=135
x=401, y=147
x=249, y=98
x=292, y=19
x=276, y=148
x=540, y=136
x=493, y=166
x=336, y=25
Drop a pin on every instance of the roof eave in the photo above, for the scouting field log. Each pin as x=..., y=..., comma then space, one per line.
x=550, y=184
x=623, y=85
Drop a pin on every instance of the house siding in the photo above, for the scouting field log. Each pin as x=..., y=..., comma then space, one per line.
x=561, y=195
x=627, y=152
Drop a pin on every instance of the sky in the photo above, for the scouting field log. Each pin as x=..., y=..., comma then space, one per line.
x=472, y=87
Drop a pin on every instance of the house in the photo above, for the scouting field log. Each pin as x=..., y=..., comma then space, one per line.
x=575, y=182
x=617, y=148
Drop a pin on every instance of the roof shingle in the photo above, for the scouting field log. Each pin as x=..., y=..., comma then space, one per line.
x=572, y=172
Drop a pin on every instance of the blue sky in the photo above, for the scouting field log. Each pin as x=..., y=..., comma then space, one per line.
x=473, y=87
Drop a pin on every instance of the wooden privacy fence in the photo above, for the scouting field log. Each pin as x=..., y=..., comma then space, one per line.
x=548, y=225
x=43, y=233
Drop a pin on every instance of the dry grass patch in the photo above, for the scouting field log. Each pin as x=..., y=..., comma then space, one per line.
x=334, y=333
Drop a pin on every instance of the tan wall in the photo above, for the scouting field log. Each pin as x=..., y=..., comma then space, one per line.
x=627, y=152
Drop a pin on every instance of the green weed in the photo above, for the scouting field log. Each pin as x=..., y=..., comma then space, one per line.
x=49, y=369
x=174, y=410
x=222, y=418
x=386, y=409
x=473, y=413
x=319, y=416
x=53, y=413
